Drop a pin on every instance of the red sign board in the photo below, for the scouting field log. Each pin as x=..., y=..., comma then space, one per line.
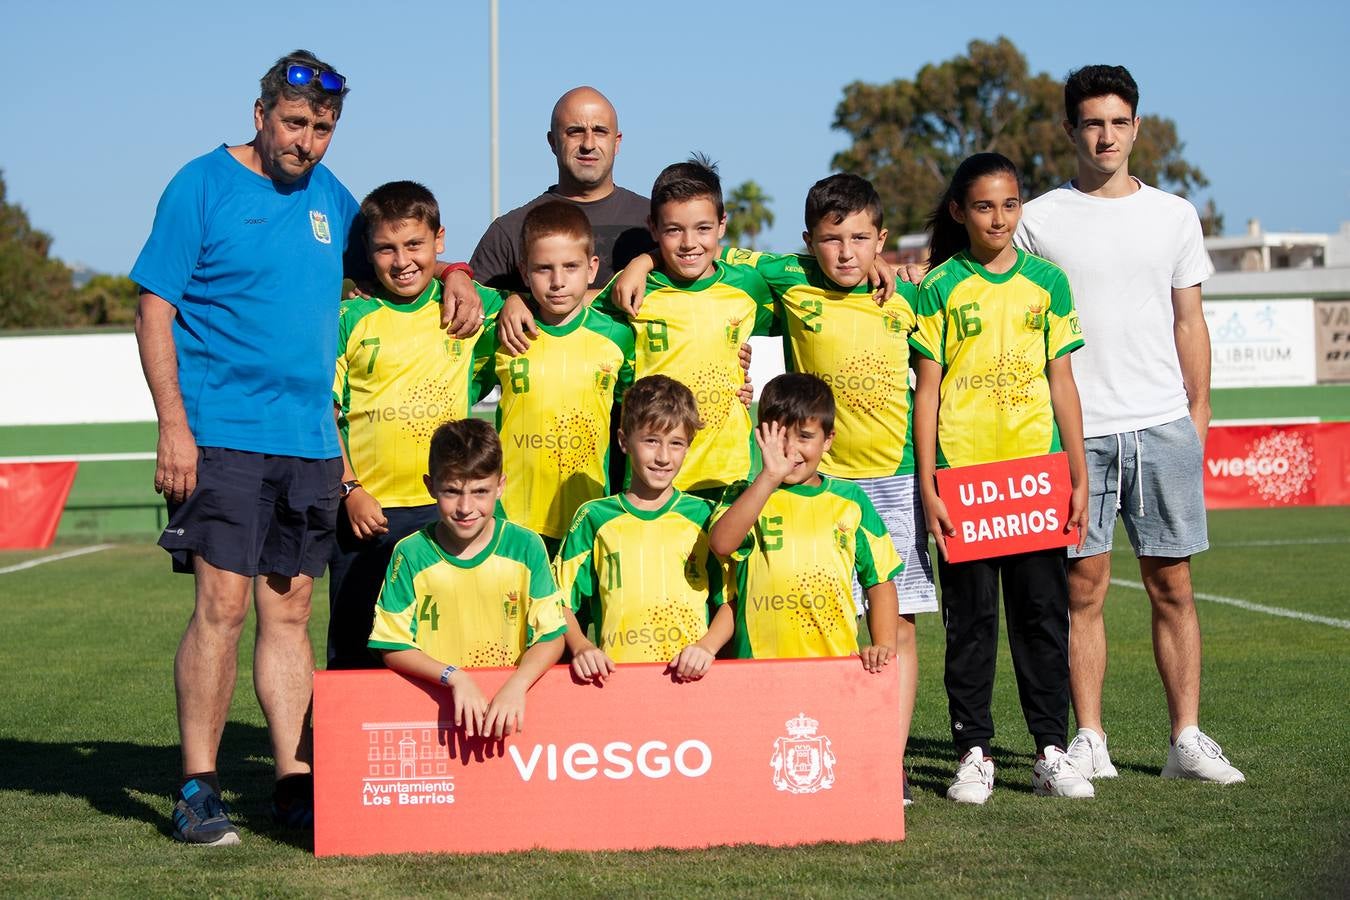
x=760, y=751
x=32, y=497
x=1013, y=506
x=1249, y=466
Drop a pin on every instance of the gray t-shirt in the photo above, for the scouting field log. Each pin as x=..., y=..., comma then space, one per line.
x=619, y=222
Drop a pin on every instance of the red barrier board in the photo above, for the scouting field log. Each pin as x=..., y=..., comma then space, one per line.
x=1253, y=466
x=32, y=496
x=759, y=751
x=1012, y=506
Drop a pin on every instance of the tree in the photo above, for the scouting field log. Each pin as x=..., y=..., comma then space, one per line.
x=35, y=290
x=748, y=214
x=909, y=136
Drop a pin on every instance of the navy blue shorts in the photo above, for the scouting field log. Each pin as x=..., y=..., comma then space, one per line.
x=256, y=514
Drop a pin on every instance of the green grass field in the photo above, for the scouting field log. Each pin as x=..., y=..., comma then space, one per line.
x=117, y=500
x=88, y=758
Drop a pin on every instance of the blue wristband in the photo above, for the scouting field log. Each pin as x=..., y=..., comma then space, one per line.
x=446, y=673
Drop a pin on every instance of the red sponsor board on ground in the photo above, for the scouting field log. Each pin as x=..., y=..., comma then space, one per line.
x=32, y=496
x=1249, y=466
x=1013, y=506
x=760, y=751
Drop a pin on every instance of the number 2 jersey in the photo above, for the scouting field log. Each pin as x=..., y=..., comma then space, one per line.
x=994, y=335
x=483, y=611
x=554, y=417
x=793, y=573
x=693, y=333
x=645, y=577
x=859, y=349
x=399, y=376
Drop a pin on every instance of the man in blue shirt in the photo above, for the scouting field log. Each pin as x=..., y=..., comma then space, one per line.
x=240, y=281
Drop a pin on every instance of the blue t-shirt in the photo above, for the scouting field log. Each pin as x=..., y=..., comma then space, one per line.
x=254, y=269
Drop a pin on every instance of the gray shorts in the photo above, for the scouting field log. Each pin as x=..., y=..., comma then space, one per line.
x=1155, y=479
x=896, y=499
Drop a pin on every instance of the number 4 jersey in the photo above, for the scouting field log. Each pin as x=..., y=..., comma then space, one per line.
x=478, y=612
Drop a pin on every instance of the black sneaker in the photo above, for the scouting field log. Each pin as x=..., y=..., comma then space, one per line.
x=904, y=781
x=201, y=817
x=293, y=802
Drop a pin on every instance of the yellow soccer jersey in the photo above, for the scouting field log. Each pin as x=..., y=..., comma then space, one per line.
x=859, y=349
x=554, y=415
x=644, y=577
x=693, y=333
x=994, y=336
x=399, y=376
x=479, y=612
x=793, y=575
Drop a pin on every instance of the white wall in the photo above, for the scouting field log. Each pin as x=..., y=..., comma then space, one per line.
x=68, y=379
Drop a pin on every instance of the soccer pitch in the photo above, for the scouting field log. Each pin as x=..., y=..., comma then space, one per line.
x=87, y=742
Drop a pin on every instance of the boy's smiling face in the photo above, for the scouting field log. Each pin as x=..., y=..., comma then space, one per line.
x=558, y=269
x=465, y=506
x=846, y=250
x=403, y=253
x=688, y=233
x=806, y=442
x=655, y=457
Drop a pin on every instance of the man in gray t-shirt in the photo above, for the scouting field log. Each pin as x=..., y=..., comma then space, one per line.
x=584, y=136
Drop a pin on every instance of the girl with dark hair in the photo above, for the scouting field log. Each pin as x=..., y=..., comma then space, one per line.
x=996, y=327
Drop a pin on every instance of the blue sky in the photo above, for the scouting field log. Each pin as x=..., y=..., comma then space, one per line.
x=103, y=102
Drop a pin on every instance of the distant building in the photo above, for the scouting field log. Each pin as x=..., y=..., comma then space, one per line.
x=1268, y=251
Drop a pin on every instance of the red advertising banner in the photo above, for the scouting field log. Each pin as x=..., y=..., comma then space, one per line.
x=32, y=496
x=1013, y=506
x=759, y=751
x=1249, y=466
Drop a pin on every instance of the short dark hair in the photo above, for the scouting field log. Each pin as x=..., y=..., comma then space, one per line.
x=275, y=86
x=695, y=179
x=399, y=200
x=556, y=217
x=464, y=450
x=661, y=403
x=793, y=397
x=840, y=196
x=1098, y=81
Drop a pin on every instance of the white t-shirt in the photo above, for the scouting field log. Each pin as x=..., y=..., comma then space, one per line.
x=1123, y=256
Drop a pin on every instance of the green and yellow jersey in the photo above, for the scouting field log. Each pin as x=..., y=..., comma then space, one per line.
x=484, y=611
x=644, y=577
x=793, y=574
x=994, y=334
x=554, y=417
x=399, y=376
x=859, y=349
x=693, y=333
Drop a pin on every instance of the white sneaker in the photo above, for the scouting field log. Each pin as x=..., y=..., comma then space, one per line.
x=1195, y=755
x=974, y=778
x=1087, y=751
x=1055, y=775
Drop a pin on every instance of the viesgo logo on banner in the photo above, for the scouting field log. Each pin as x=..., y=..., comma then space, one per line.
x=1277, y=465
x=814, y=757
x=1012, y=506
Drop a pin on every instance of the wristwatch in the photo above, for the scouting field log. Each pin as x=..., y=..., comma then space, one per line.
x=347, y=487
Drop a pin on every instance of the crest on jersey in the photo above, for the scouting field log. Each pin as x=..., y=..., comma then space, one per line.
x=841, y=535
x=604, y=377
x=890, y=321
x=802, y=762
x=318, y=222
x=733, y=331
x=511, y=605
x=1034, y=319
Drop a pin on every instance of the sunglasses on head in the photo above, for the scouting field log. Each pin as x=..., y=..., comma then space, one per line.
x=301, y=75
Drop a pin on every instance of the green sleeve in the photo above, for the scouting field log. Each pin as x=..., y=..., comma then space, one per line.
x=574, y=567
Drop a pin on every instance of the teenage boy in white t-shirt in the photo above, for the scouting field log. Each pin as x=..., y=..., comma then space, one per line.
x=1136, y=258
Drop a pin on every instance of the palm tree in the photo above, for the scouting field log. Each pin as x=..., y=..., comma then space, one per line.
x=748, y=214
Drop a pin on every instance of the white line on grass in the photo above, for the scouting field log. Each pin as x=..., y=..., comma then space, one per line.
x=32, y=563
x=1280, y=542
x=79, y=457
x=1252, y=607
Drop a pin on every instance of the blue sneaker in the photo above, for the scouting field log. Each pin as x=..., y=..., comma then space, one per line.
x=293, y=802
x=201, y=817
